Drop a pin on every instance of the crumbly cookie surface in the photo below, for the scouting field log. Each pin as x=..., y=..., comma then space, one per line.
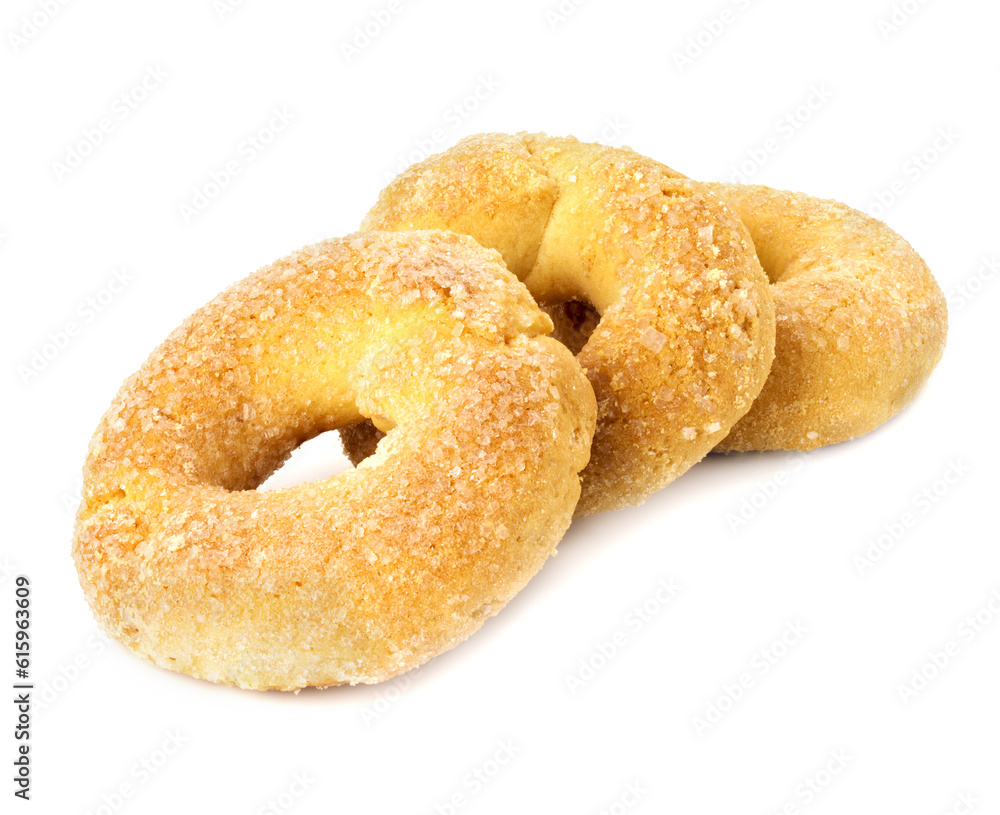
x=686, y=331
x=369, y=573
x=861, y=322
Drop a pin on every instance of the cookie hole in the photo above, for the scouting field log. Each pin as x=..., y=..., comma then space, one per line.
x=774, y=271
x=360, y=440
x=574, y=320
x=775, y=266
x=313, y=460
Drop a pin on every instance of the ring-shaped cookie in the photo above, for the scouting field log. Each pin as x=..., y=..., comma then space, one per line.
x=368, y=573
x=861, y=322
x=686, y=331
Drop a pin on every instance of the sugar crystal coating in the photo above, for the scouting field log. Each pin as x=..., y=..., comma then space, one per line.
x=669, y=268
x=368, y=573
x=861, y=322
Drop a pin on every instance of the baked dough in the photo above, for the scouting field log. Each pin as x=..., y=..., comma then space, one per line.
x=686, y=331
x=368, y=573
x=861, y=322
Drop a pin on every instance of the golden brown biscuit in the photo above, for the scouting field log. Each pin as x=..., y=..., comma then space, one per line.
x=861, y=322
x=686, y=329
x=366, y=574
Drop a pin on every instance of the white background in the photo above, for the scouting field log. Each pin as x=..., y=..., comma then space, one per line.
x=881, y=93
